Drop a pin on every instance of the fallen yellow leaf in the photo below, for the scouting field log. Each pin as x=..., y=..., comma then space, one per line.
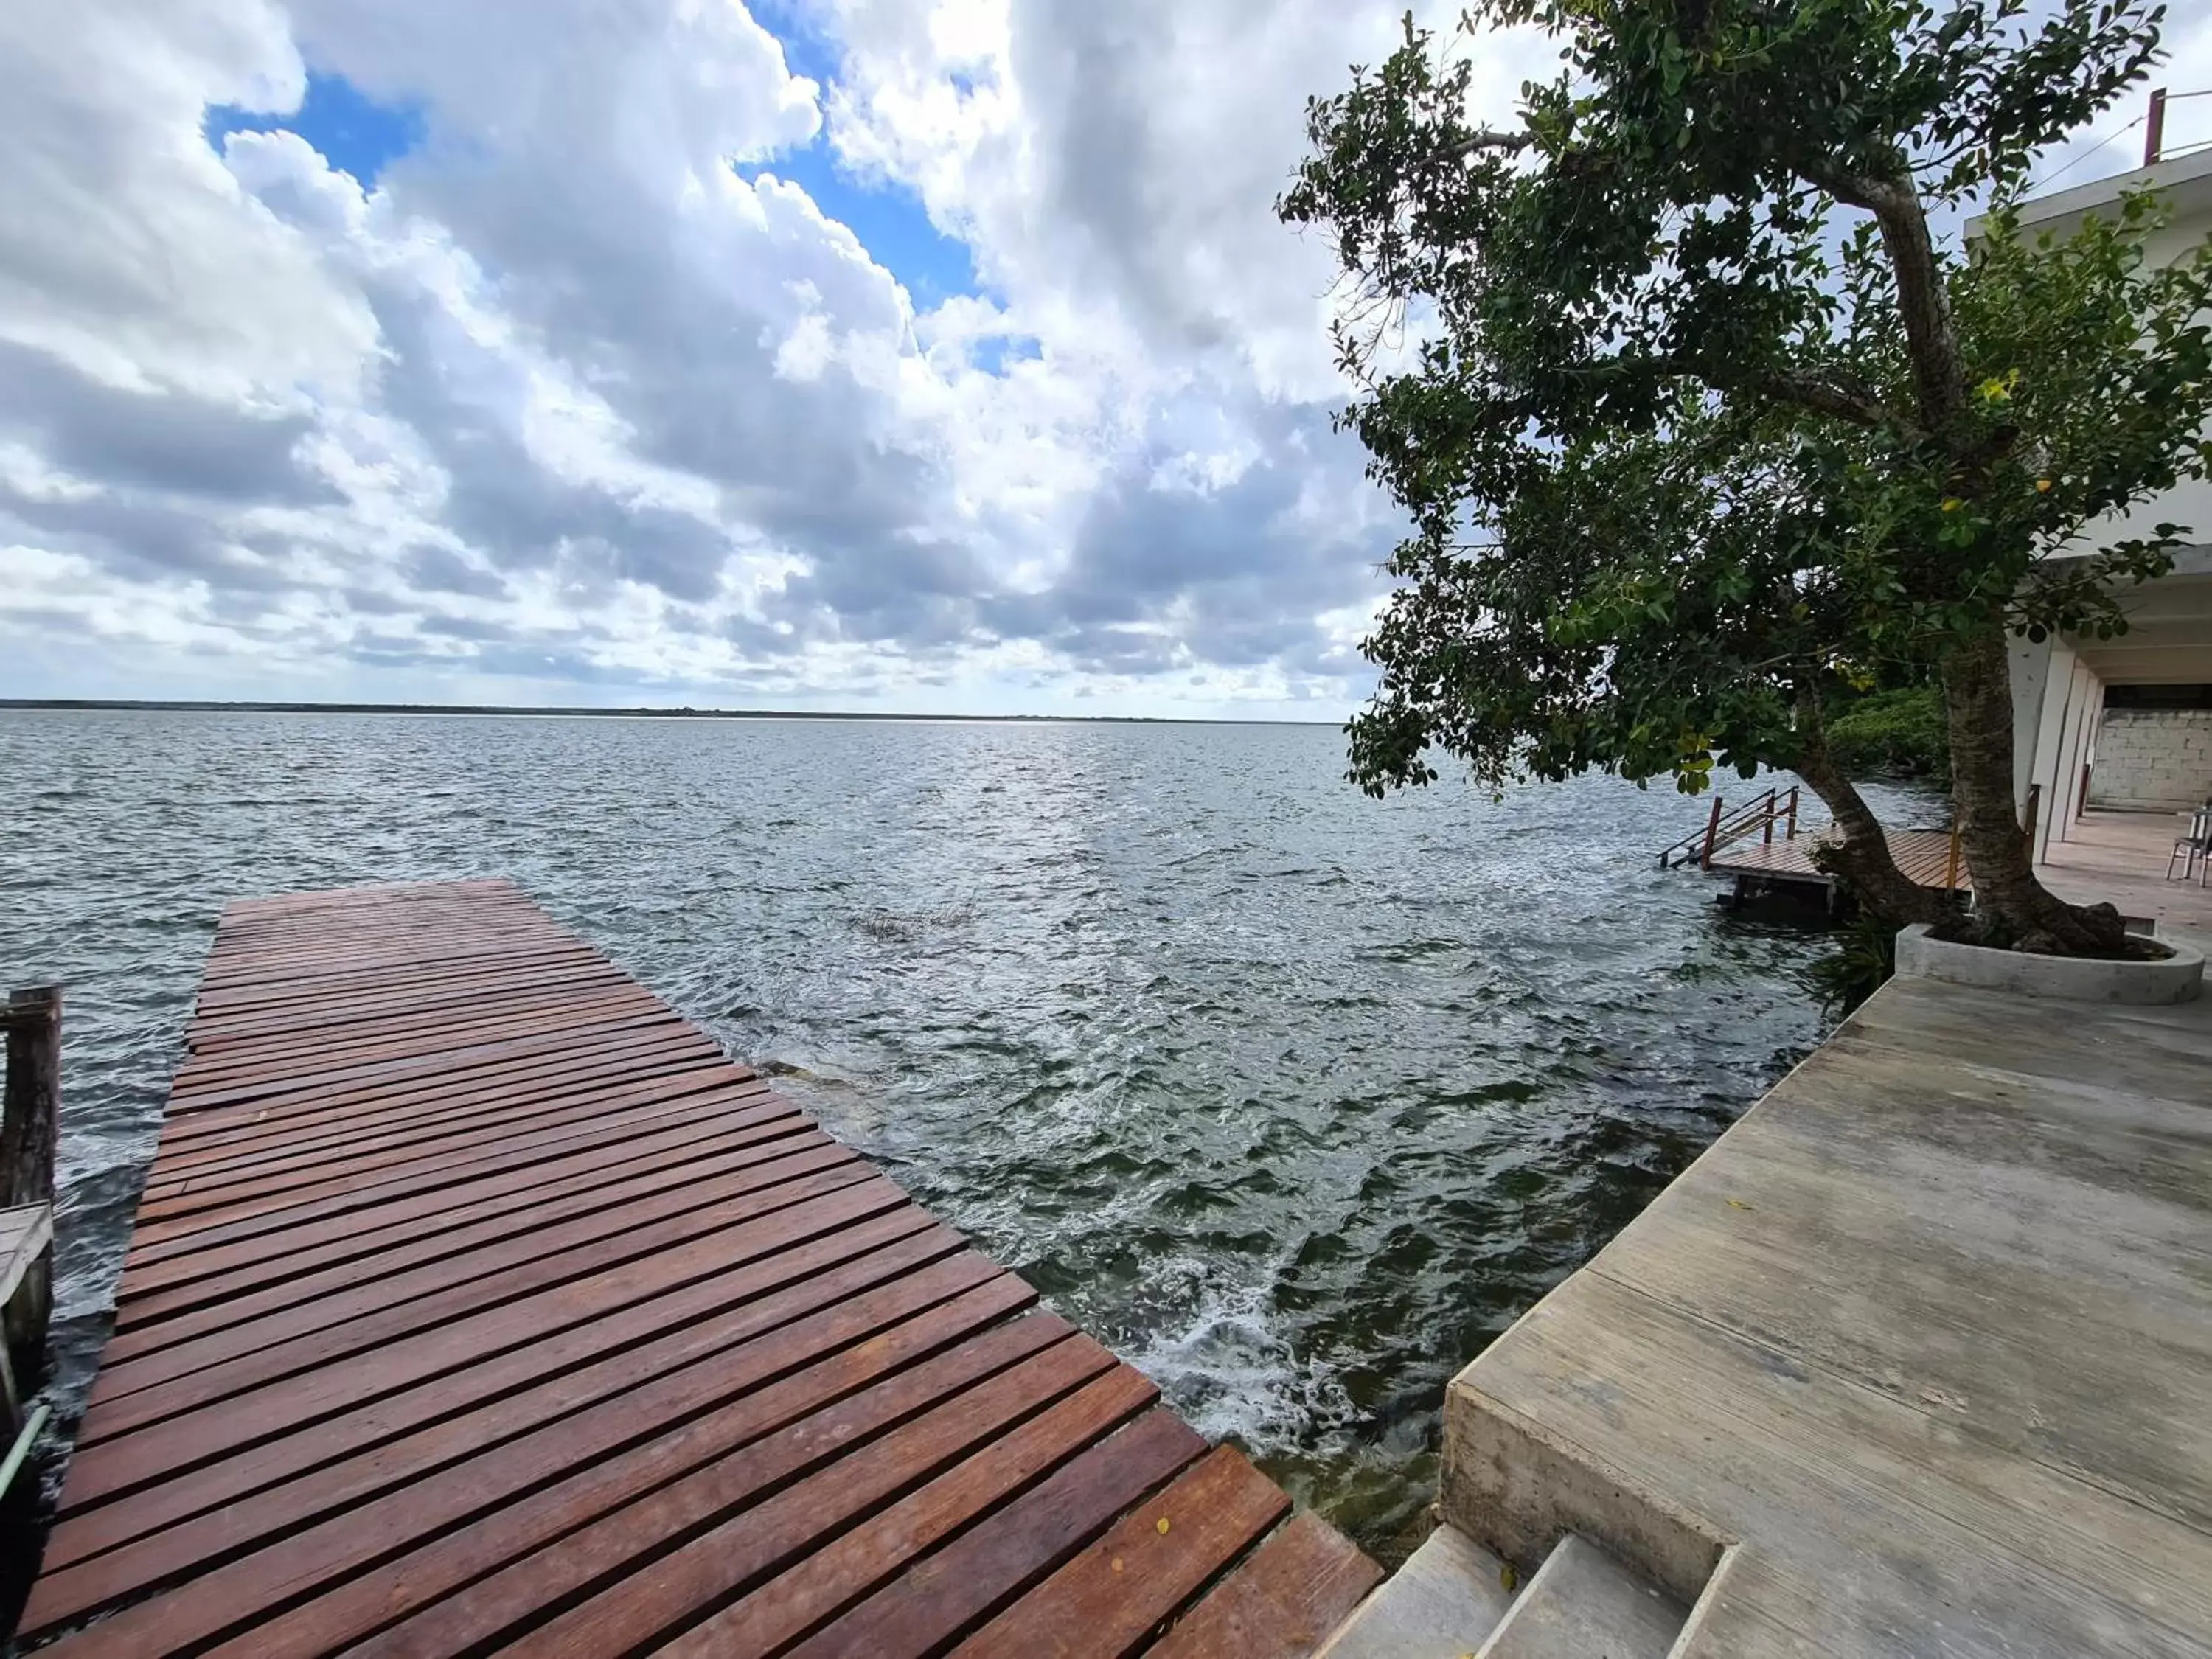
x=1164, y=1524
x=1737, y=1203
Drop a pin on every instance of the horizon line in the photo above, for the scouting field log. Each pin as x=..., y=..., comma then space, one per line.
x=210, y=705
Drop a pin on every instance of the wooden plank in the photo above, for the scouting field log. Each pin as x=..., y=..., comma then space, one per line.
x=345, y=1221
x=217, y=1186
x=227, y=1407
x=765, y=1118
x=839, y=1573
x=454, y=1215
x=955, y=1402
x=312, y=1115
x=460, y=991
x=309, y=1121
x=364, y=1605
x=650, y=1045
x=412, y=1019
x=289, y=985
x=308, y=956
x=380, y=1310
x=198, y=1208
x=367, y=1134
x=426, y=1431
x=552, y=1034
x=25, y=1233
x=1282, y=1602
x=306, y=967
x=507, y=1601
x=1112, y=1597
x=1922, y=855
x=982, y=1571
x=277, y=973
x=463, y=1251
x=499, y=1498
x=476, y=1299
x=307, y=1060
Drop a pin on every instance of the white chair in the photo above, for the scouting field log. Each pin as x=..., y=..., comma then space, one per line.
x=2193, y=850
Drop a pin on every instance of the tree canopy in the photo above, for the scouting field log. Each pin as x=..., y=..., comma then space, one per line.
x=1700, y=419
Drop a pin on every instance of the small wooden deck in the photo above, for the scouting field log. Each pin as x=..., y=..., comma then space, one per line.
x=477, y=1302
x=26, y=1230
x=1924, y=857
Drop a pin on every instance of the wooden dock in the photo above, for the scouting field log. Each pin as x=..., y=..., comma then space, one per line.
x=1924, y=857
x=477, y=1302
x=1763, y=847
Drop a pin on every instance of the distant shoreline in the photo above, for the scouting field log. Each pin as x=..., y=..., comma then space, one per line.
x=162, y=706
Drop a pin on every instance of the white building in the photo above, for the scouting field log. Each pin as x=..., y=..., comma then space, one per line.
x=2126, y=723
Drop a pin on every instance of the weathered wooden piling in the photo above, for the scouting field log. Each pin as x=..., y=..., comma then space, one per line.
x=30, y=1113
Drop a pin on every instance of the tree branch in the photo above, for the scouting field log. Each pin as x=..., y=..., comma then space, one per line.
x=1939, y=372
x=1827, y=397
x=1823, y=394
x=1487, y=139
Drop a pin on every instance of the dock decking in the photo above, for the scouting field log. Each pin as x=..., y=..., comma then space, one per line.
x=1924, y=857
x=476, y=1301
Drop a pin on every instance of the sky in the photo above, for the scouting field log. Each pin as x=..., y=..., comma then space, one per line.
x=912, y=356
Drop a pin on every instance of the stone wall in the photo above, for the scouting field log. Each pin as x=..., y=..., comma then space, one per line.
x=2152, y=758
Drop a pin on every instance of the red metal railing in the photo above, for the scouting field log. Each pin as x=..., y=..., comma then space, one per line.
x=1761, y=813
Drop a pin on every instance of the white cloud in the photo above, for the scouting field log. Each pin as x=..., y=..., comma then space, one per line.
x=126, y=249
x=587, y=397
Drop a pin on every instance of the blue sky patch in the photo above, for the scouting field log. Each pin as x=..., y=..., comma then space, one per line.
x=889, y=218
x=353, y=133
x=992, y=355
x=807, y=50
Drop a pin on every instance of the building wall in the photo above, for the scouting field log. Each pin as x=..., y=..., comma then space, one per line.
x=2186, y=182
x=2152, y=758
x=2136, y=757
x=2057, y=702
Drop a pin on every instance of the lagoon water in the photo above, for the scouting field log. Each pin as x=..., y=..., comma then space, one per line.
x=1293, y=1097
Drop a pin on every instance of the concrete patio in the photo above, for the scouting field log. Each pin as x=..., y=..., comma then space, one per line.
x=1916, y=1359
x=2121, y=857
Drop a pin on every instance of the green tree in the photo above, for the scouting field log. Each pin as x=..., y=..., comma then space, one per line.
x=1895, y=731
x=1700, y=421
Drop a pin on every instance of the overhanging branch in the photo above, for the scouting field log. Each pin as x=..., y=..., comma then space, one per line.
x=1826, y=396
x=1488, y=139
x=1938, y=368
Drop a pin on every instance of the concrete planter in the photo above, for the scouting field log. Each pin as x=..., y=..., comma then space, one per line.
x=2177, y=977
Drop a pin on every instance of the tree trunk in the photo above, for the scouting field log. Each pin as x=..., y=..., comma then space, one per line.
x=2016, y=909
x=1862, y=857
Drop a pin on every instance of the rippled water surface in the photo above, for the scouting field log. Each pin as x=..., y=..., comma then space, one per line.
x=1293, y=1097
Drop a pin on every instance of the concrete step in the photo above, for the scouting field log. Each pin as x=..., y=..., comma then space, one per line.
x=1441, y=1604
x=1583, y=1604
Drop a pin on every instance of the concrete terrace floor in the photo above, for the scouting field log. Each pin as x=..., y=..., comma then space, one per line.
x=1924, y=1342
x=2121, y=857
